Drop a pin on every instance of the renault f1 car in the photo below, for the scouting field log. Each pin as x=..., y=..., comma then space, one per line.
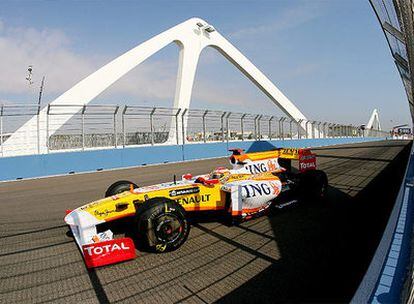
x=160, y=213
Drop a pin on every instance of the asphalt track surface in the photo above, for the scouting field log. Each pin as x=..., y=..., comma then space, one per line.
x=306, y=253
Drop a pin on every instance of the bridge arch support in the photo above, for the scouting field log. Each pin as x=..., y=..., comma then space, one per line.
x=192, y=36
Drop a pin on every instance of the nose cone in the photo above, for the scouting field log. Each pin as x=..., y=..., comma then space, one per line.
x=70, y=218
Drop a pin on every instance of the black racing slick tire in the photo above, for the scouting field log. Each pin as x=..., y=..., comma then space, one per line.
x=118, y=187
x=161, y=225
x=313, y=185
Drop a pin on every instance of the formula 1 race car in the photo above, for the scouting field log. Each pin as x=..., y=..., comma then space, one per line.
x=160, y=213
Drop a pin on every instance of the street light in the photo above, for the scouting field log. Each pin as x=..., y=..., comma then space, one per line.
x=29, y=74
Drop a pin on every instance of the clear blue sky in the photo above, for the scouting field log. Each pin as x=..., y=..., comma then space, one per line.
x=329, y=57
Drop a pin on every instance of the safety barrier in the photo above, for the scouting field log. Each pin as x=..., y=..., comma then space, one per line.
x=30, y=166
x=389, y=278
x=88, y=127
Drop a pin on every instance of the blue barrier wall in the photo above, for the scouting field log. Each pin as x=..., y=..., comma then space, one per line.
x=390, y=267
x=30, y=166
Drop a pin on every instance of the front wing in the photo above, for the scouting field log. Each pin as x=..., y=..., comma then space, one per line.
x=100, y=249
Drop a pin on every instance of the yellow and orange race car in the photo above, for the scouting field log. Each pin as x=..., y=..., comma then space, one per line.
x=160, y=213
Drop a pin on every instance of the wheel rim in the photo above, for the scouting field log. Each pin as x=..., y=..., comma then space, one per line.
x=168, y=228
x=323, y=190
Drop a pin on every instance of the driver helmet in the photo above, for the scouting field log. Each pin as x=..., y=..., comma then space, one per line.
x=219, y=173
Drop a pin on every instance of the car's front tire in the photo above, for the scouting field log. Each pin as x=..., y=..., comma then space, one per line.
x=161, y=224
x=119, y=187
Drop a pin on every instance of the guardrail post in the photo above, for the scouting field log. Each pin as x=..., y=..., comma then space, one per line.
x=313, y=129
x=242, y=126
x=83, y=126
x=255, y=126
x=204, y=126
x=319, y=129
x=270, y=127
x=182, y=125
x=152, y=125
x=259, y=133
x=176, y=125
x=222, y=125
x=283, y=128
x=280, y=132
x=47, y=128
x=307, y=129
x=299, y=122
x=38, y=129
x=1, y=129
x=123, y=126
x=228, y=126
x=115, y=130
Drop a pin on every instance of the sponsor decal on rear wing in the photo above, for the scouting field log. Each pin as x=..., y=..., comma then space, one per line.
x=307, y=162
x=286, y=153
x=307, y=159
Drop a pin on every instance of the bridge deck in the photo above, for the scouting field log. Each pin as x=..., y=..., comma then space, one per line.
x=309, y=252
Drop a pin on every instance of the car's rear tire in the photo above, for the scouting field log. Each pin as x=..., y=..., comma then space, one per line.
x=118, y=187
x=161, y=225
x=313, y=185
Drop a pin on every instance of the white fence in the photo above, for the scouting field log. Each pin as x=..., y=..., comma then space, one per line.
x=82, y=127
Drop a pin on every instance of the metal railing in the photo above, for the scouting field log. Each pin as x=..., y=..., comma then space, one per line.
x=81, y=127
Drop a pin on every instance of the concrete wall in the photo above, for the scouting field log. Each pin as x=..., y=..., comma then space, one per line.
x=12, y=168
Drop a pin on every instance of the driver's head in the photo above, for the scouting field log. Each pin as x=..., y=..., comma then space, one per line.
x=219, y=173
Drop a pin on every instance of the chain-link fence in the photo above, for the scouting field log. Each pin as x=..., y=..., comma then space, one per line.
x=81, y=127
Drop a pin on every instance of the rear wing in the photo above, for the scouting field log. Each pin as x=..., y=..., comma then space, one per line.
x=307, y=159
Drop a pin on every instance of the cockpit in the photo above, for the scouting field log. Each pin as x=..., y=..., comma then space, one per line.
x=219, y=173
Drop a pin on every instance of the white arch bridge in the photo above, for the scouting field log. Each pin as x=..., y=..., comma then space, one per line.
x=192, y=36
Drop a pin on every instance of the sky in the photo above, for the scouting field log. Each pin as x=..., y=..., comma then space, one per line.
x=330, y=58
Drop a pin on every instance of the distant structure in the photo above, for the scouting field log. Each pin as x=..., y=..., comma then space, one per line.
x=374, y=121
x=192, y=36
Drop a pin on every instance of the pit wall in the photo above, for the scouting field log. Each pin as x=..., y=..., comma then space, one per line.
x=32, y=166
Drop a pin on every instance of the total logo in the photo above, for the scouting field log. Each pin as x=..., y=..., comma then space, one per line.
x=108, y=252
x=307, y=162
x=304, y=166
x=104, y=249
